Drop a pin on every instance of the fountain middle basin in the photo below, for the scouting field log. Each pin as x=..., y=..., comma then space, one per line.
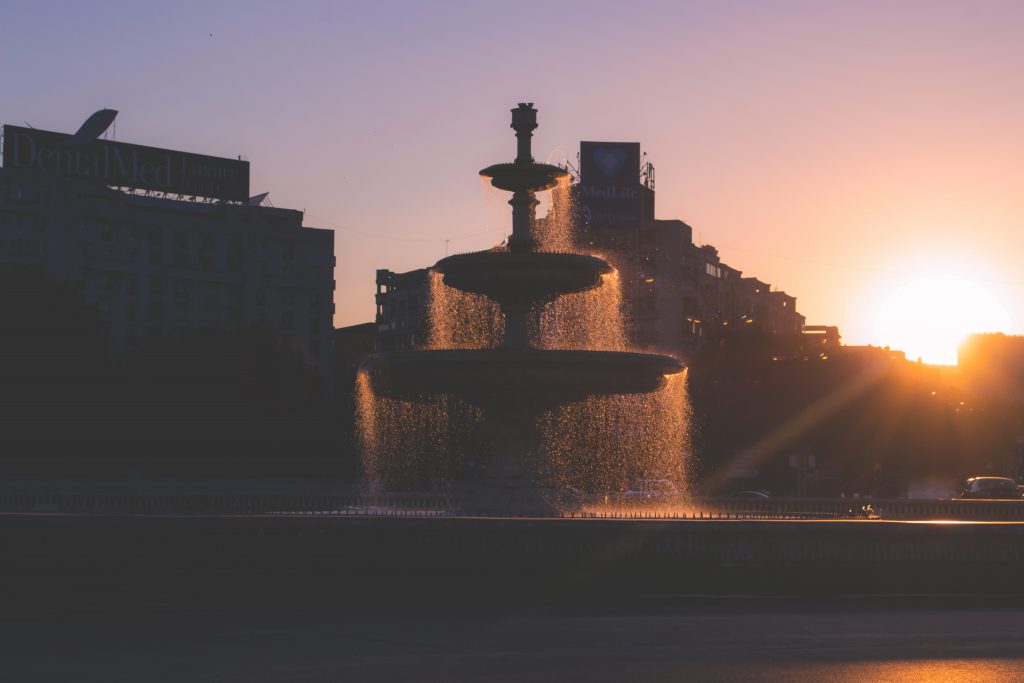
x=531, y=277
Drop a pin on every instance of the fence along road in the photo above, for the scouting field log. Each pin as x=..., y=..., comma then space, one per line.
x=427, y=504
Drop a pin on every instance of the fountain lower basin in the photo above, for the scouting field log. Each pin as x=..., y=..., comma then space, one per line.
x=542, y=376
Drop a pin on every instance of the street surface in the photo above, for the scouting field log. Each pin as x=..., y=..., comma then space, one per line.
x=729, y=640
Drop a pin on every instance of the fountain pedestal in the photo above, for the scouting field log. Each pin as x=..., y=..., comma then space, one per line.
x=509, y=481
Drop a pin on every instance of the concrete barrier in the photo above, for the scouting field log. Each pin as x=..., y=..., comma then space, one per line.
x=247, y=560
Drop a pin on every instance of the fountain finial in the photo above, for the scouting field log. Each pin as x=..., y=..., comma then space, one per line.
x=524, y=175
x=524, y=122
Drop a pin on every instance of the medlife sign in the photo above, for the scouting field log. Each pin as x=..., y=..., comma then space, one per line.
x=610, y=189
x=125, y=165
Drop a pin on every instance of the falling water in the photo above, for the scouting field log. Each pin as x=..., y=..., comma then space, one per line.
x=557, y=230
x=604, y=443
x=411, y=444
x=461, y=320
x=591, y=320
x=366, y=432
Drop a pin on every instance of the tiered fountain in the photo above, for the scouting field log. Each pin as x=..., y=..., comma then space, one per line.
x=516, y=382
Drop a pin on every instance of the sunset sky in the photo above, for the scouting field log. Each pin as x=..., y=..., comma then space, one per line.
x=842, y=151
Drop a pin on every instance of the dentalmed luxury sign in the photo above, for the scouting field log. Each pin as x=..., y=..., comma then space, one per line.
x=610, y=182
x=124, y=165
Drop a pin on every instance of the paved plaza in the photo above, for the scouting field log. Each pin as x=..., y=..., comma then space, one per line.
x=736, y=639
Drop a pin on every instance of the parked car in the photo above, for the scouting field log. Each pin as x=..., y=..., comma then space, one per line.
x=1000, y=488
x=651, y=489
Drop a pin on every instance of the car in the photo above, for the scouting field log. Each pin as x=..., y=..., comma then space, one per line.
x=652, y=489
x=999, y=488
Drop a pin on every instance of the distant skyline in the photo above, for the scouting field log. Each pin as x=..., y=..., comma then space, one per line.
x=841, y=151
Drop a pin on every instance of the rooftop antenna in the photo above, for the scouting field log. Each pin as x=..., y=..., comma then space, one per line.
x=646, y=172
x=574, y=171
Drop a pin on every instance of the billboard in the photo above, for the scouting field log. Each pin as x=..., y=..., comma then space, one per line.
x=610, y=182
x=125, y=165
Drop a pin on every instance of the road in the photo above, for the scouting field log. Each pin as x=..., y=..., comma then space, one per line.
x=727, y=640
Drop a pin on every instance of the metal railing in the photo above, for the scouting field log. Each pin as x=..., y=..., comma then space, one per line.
x=882, y=508
x=225, y=504
x=435, y=505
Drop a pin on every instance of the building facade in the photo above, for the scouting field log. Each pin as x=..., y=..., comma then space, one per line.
x=678, y=295
x=151, y=265
x=993, y=364
x=402, y=309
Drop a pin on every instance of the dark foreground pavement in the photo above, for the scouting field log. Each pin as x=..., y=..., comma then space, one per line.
x=735, y=640
x=259, y=599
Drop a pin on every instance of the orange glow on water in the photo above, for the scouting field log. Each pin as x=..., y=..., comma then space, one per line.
x=605, y=443
x=460, y=320
x=593, y=320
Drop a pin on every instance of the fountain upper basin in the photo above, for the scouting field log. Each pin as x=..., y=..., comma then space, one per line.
x=518, y=177
x=483, y=376
x=522, y=276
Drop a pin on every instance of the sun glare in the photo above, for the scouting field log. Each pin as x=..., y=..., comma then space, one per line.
x=929, y=317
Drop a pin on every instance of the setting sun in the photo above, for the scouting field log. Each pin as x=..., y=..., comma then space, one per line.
x=928, y=317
